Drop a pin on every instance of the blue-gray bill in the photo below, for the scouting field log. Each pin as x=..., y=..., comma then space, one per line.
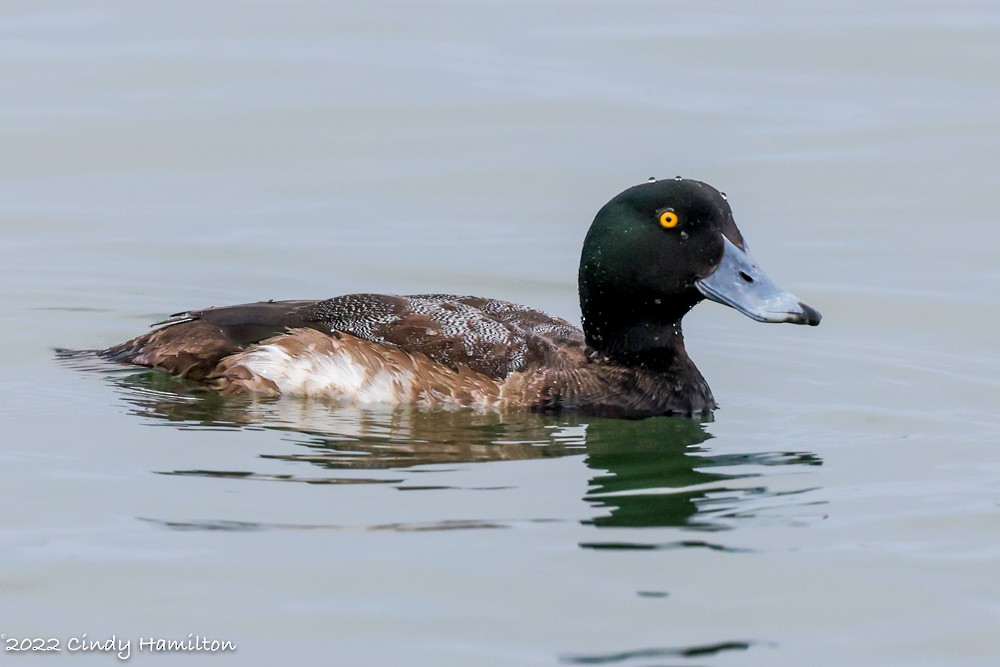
x=739, y=283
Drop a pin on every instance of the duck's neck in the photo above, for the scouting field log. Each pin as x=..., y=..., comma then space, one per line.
x=653, y=349
x=648, y=370
x=637, y=333
x=647, y=338
x=643, y=344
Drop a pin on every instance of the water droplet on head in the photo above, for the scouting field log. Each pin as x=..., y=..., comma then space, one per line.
x=657, y=301
x=684, y=236
x=678, y=178
x=724, y=196
x=652, y=179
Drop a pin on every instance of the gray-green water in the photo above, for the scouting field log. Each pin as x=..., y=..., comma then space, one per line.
x=843, y=508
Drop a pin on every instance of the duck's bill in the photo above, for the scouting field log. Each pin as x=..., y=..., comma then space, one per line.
x=739, y=283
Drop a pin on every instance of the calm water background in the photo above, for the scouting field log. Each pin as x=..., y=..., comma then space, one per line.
x=843, y=508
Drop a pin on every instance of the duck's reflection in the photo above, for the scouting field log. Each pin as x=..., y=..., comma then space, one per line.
x=653, y=472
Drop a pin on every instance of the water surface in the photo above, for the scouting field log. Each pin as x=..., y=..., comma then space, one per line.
x=842, y=507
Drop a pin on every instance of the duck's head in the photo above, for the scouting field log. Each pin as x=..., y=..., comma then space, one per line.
x=659, y=248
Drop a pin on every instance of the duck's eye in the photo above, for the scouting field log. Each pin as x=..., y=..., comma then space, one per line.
x=669, y=219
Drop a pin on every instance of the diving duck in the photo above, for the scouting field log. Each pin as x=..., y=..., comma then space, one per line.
x=652, y=253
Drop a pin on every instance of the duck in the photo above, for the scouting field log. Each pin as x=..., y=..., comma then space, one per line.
x=652, y=253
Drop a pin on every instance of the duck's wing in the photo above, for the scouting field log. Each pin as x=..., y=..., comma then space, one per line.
x=489, y=336
x=192, y=343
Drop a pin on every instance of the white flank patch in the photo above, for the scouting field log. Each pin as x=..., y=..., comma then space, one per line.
x=337, y=375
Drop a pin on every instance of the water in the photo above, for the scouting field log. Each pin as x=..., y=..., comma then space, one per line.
x=841, y=508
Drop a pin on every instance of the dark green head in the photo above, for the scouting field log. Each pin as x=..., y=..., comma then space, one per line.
x=655, y=251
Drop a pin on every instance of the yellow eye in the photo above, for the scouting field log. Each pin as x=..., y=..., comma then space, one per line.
x=669, y=219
